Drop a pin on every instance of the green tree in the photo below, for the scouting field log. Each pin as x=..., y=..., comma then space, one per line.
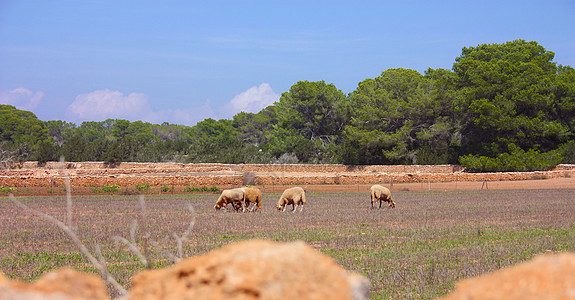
x=312, y=116
x=254, y=126
x=215, y=141
x=506, y=98
x=20, y=126
x=96, y=149
x=122, y=150
x=74, y=149
x=563, y=109
x=60, y=131
x=401, y=117
x=47, y=151
x=21, y=132
x=92, y=131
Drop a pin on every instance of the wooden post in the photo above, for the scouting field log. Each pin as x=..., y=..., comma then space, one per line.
x=484, y=183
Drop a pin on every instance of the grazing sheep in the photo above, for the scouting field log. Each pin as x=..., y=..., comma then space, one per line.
x=253, y=195
x=381, y=193
x=294, y=196
x=235, y=197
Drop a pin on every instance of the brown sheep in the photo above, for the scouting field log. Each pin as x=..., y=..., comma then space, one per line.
x=235, y=197
x=294, y=196
x=253, y=195
x=381, y=193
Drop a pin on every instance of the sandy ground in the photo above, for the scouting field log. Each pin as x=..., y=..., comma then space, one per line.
x=553, y=183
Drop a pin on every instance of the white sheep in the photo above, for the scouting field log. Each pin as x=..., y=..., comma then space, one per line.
x=381, y=193
x=294, y=196
x=253, y=195
x=235, y=197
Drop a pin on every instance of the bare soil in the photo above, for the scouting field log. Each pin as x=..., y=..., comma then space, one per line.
x=552, y=183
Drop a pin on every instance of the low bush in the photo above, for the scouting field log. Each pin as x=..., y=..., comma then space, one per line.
x=7, y=190
x=107, y=189
x=191, y=189
x=167, y=189
x=516, y=160
x=143, y=187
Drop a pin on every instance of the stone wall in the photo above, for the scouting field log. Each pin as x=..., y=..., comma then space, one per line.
x=96, y=174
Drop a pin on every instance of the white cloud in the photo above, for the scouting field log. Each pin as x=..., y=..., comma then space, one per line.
x=22, y=98
x=103, y=104
x=107, y=104
x=253, y=100
x=183, y=116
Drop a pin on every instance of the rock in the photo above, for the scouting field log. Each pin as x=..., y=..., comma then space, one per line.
x=545, y=277
x=3, y=280
x=251, y=270
x=63, y=284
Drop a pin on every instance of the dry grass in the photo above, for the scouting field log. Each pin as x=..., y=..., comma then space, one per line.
x=417, y=250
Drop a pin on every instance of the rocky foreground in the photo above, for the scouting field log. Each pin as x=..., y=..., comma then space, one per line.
x=268, y=270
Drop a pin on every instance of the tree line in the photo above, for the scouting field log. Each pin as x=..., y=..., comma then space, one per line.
x=502, y=107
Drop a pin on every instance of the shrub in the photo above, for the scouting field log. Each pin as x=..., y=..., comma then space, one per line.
x=107, y=189
x=7, y=190
x=190, y=189
x=167, y=189
x=143, y=187
x=516, y=160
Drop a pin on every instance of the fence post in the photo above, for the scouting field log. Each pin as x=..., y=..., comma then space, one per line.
x=484, y=183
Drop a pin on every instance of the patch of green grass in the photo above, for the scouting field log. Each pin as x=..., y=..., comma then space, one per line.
x=437, y=261
x=31, y=265
x=234, y=237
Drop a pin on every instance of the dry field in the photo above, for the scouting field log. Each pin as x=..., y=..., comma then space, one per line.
x=418, y=250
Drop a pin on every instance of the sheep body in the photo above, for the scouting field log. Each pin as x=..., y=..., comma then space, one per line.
x=381, y=194
x=253, y=195
x=294, y=196
x=235, y=197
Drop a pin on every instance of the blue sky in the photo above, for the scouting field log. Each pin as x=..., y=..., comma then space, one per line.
x=184, y=61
